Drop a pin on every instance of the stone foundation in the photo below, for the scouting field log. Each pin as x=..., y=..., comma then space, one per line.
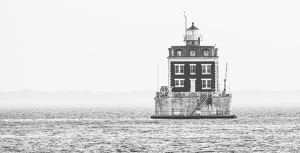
x=188, y=104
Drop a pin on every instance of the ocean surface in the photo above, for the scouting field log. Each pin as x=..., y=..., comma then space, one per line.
x=132, y=130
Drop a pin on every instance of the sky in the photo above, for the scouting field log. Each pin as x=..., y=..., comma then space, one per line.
x=61, y=45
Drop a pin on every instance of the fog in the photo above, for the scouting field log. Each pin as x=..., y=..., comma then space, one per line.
x=142, y=99
x=115, y=46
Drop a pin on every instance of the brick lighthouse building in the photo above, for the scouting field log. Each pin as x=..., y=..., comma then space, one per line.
x=193, y=68
x=193, y=82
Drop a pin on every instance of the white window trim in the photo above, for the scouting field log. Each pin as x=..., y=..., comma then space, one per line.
x=194, y=53
x=180, y=85
x=205, y=68
x=179, y=69
x=206, y=80
x=177, y=53
x=206, y=51
x=193, y=79
x=190, y=69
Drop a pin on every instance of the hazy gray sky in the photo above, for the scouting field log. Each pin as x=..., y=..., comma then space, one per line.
x=55, y=45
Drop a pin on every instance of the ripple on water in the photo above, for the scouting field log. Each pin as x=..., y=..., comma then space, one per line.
x=131, y=130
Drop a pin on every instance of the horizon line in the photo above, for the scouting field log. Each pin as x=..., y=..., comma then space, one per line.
x=140, y=90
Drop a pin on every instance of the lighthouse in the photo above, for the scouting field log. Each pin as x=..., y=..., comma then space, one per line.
x=193, y=82
x=192, y=67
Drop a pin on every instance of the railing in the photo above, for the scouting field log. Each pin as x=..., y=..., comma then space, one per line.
x=205, y=98
x=201, y=102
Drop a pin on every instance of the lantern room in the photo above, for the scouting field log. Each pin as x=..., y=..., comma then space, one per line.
x=192, y=36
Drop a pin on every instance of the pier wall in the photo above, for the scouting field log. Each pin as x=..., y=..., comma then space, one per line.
x=174, y=106
x=222, y=105
x=187, y=104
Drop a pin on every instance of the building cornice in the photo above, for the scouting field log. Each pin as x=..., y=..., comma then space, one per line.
x=193, y=57
x=192, y=46
x=198, y=59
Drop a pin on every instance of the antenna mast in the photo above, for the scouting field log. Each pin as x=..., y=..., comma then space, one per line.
x=185, y=17
x=158, y=77
x=224, y=91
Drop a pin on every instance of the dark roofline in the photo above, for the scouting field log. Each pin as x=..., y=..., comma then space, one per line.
x=192, y=46
x=193, y=27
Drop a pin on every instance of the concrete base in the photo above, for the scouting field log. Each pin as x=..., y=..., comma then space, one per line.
x=196, y=117
x=192, y=105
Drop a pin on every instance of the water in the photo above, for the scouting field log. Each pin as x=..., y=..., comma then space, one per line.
x=131, y=130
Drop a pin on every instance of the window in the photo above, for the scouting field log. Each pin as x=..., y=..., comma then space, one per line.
x=179, y=69
x=192, y=53
x=206, y=68
x=179, y=82
x=178, y=53
x=206, y=53
x=206, y=83
x=193, y=69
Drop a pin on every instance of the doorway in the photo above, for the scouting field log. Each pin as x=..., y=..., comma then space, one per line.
x=193, y=85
